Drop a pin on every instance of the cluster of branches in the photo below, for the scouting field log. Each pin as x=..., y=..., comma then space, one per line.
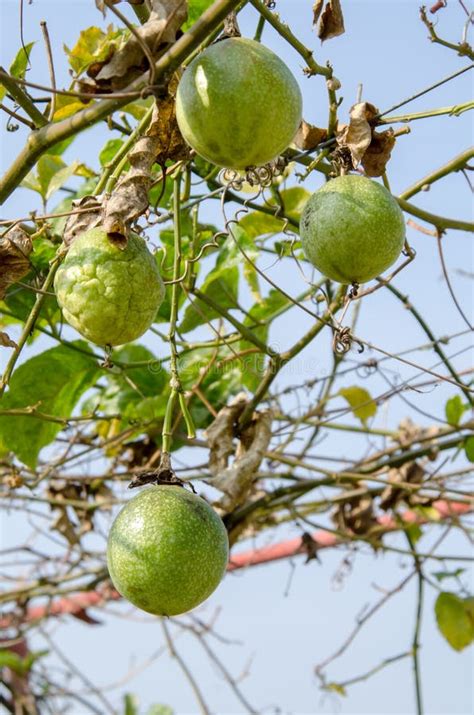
x=262, y=448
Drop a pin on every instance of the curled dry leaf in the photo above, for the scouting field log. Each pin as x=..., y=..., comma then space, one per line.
x=308, y=136
x=235, y=480
x=130, y=61
x=378, y=152
x=161, y=142
x=15, y=247
x=355, y=514
x=6, y=341
x=81, y=222
x=357, y=135
x=331, y=20
x=410, y=473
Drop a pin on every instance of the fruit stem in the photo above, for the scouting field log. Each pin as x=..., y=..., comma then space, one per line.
x=114, y=168
x=175, y=382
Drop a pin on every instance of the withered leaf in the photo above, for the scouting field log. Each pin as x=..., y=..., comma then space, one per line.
x=6, y=341
x=308, y=136
x=235, y=480
x=79, y=223
x=15, y=247
x=378, y=152
x=331, y=21
x=162, y=141
x=166, y=18
x=357, y=135
x=65, y=527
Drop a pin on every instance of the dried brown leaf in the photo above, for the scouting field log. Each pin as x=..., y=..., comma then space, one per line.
x=15, y=247
x=6, y=341
x=166, y=18
x=378, y=152
x=357, y=135
x=331, y=21
x=102, y=6
x=81, y=222
x=236, y=480
x=63, y=525
x=308, y=136
x=162, y=141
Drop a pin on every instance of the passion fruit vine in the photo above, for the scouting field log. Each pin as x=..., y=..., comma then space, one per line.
x=352, y=229
x=167, y=550
x=238, y=104
x=108, y=294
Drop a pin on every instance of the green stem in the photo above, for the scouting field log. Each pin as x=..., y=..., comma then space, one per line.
x=455, y=110
x=416, y=633
x=117, y=164
x=459, y=162
x=30, y=323
x=287, y=34
x=21, y=98
x=440, y=222
x=424, y=325
x=175, y=382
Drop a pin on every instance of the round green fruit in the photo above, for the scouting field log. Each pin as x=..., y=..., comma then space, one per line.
x=352, y=229
x=107, y=294
x=167, y=550
x=237, y=104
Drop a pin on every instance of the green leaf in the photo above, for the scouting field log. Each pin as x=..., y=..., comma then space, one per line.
x=455, y=618
x=94, y=45
x=252, y=252
x=19, y=665
x=195, y=10
x=130, y=704
x=66, y=106
x=441, y=575
x=160, y=710
x=454, y=410
x=469, y=448
x=221, y=285
x=51, y=383
x=252, y=366
x=52, y=173
x=260, y=224
x=109, y=150
x=294, y=201
x=360, y=401
x=19, y=65
x=415, y=532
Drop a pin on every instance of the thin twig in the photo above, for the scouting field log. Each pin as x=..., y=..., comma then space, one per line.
x=52, y=74
x=189, y=676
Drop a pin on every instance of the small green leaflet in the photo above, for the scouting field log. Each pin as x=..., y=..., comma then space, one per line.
x=454, y=410
x=51, y=383
x=20, y=666
x=52, y=173
x=360, y=401
x=195, y=10
x=469, y=448
x=18, y=66
x=455, y=618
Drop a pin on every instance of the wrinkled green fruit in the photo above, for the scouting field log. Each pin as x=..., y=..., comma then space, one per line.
x=109, y=295
x=352, y=229
x=167, y=550
x=238, y=104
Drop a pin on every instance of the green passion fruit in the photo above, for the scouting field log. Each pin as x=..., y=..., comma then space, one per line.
x=108, y=294
x=167, y=550
x=352, y=229
x=238, y=104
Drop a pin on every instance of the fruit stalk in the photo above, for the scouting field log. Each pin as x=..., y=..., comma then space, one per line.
x=175, y=382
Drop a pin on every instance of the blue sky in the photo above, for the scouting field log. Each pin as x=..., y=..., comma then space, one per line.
x=386, y=49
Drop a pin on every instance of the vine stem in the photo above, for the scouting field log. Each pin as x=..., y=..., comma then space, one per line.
x=175, y=382
x=30, y=323
x=417, y=629
x=115, y=167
